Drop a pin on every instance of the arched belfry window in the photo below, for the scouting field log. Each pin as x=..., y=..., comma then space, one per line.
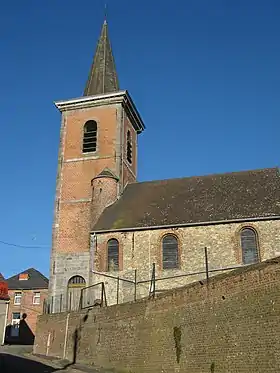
x=129, y=147
x=113, y=255
x=90, y=136
x=249, y=246
x=170, y=257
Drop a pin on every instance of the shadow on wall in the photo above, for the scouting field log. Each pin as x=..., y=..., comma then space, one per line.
x=19, y=333
x=76, y=339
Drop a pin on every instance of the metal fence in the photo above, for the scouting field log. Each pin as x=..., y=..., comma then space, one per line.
x=121, y=289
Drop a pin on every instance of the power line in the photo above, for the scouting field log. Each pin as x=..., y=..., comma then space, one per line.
x=23, y=246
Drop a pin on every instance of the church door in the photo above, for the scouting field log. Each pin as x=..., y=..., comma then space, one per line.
x=74, y=291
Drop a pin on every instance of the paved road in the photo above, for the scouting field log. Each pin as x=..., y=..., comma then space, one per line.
x=15, y=364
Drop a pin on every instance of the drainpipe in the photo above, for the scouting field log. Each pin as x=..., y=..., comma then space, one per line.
x=5, y=322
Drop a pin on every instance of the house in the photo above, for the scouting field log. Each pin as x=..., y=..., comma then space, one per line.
x=107, y=225
x=4, y=303
x=27, y=292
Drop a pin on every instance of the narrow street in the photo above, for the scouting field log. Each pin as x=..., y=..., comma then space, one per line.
x=18, y=359
x=13, y=364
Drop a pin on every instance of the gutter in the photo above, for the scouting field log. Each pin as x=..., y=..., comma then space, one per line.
x=5, y=322
x=182, y=225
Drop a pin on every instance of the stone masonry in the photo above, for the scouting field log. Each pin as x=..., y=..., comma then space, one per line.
x=230, y=324
x=140, y=249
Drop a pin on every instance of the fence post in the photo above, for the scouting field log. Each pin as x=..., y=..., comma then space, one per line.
x=135, y=285
x=60, y=306
x=118, y=287
x=154, y=279
x=81, y=299
x=206, y=263
x=70, y=301
x=52, y=305
x=102, y=294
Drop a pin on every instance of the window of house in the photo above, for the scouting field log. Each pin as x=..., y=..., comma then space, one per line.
x=36, y=297
x=90, y=136
x=129, y=147
x=15, y=316
x=113, y=255
x=249, y=246
x=17, y=299
x=170, y=257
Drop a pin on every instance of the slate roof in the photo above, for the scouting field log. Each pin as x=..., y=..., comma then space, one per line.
x=106, y=173
x=36, y=280
x=103, y=76
x=200, y=199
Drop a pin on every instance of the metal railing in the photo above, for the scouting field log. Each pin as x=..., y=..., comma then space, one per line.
x=97, y=294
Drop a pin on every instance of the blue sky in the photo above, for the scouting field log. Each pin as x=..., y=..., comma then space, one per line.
x=204, y=75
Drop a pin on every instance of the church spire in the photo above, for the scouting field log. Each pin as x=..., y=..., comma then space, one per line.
x=103, y=75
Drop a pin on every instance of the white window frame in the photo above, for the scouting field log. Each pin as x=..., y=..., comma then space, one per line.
x=37, y=297
x=17, y=298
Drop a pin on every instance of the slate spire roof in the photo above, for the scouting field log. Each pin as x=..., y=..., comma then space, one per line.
x=103, y=75
x=195, y=200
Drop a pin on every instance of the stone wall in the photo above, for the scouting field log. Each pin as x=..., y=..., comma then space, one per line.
x=140, y=249
x=229, y=325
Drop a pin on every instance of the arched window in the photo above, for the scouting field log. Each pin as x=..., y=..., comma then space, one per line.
x=170, y=258
x=128, y=147
x=90, y=136
x=76, y=281
x=249, y=246
x=113, y=255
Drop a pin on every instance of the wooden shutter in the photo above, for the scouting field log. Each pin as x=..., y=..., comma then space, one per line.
x=90, y=136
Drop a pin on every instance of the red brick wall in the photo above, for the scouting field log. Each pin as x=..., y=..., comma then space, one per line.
x=77, y=169
x=76, y=172
x=231, y=324
x=27, y=306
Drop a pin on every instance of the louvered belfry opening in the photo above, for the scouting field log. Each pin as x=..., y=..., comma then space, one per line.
x=113, y=255
x=249, y=245
x=129, y=147
x=90, y=136
x=170, y=258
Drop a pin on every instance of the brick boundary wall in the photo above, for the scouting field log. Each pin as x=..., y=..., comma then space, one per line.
x=230, y=325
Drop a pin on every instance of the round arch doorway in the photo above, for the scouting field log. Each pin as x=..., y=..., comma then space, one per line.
x=74, y=291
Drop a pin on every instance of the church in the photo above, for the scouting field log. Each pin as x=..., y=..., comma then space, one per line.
x=107, y=226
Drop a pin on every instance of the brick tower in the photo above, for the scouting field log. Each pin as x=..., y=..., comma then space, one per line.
x=97, y=158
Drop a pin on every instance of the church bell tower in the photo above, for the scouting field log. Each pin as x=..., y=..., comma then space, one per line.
x=97, y=159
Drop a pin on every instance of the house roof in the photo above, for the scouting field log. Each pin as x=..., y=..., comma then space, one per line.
x=199, y=199
x=36, y=280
